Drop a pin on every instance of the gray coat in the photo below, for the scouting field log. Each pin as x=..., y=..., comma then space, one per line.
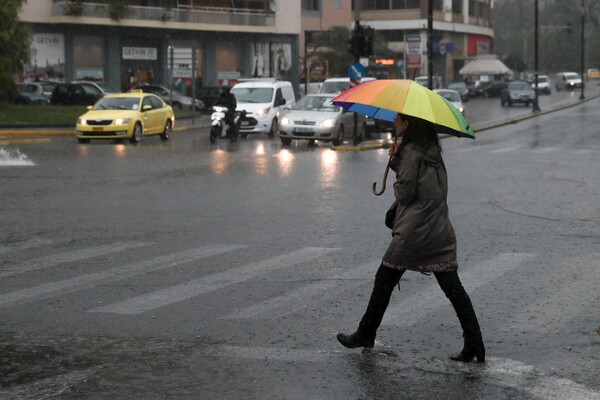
x=422, y=233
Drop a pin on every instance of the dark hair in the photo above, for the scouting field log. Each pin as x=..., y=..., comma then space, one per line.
x=420, y=132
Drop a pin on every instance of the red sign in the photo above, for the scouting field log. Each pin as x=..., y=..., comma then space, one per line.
x=413, y=61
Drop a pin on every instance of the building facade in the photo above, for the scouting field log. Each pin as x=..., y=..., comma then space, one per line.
x=184, y=43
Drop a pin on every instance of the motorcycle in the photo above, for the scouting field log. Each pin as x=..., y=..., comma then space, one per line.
x=219, y=127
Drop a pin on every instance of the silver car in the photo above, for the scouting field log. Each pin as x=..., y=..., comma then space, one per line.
x=314, y=117
x=179, y=101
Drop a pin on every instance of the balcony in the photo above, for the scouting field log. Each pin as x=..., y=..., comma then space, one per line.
x=197, y=15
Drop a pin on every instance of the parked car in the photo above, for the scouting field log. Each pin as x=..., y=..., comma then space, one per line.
x=567, y=81
x=179, y=101
x=263, y=101
x=424, y=80
x=31, y=93
x=489, y=88
x=592, y=73
x=544, y=85
x=462, y=89
x=104, y=87
x=453, y=97
x=314, y=117
x=126, y=116
x=75, y=94
x=48, y=87
x=208, y=95
x=517, y=92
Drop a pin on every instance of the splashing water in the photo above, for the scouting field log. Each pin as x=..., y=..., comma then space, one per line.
x=13, y=158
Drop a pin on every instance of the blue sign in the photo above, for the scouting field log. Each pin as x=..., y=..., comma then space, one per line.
x=356, y=71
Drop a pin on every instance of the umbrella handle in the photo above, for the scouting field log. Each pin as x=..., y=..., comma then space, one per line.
x=374, y=187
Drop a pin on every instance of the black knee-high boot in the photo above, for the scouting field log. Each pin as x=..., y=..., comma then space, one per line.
x=473, y=342
x=385, y=281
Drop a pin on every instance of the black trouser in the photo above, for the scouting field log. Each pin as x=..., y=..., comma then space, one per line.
x=386, y=280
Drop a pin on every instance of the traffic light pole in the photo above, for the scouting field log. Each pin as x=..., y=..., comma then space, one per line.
x=536, y=106
x=582, y=96
x=430, y=44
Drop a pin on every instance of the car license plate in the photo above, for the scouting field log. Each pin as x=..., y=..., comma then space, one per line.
x=303, y=130
x=97, y=129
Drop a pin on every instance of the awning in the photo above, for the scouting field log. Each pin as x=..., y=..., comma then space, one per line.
x=484, y=67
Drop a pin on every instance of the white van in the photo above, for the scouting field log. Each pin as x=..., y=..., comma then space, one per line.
x=262, y=100
x=339, y=85
x=567, y=81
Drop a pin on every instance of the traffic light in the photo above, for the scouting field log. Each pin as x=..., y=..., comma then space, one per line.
x=361, y=42
x=367, y=47
x=356, y=44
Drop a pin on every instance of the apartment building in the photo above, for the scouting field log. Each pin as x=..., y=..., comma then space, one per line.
x=186, y=42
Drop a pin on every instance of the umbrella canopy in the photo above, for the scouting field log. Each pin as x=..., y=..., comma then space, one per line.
x=385, y=98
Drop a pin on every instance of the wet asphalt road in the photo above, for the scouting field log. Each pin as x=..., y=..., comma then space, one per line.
x=194, y=271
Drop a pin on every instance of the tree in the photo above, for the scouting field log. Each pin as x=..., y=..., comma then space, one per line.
x=332, y=47
x=15, y=43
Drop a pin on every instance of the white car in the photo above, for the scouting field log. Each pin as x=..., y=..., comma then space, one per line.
x=453, y=97
x=314, y=117
x=543, y=84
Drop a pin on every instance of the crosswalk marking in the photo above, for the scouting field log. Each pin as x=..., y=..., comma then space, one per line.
x=184, y=291
x=512, y=373
x=298, y=299
x=120, y=272
x=63, y=258
x=418, y=306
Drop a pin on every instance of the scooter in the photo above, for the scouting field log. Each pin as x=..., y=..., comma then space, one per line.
x=219, y=127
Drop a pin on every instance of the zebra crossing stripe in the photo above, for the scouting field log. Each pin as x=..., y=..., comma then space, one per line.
x=120, y=272
x=295, y=300
x=184, y=291
x=420, y=305
x=63, y=258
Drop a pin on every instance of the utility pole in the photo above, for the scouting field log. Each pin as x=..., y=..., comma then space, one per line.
x=536, y=106
x=430, y=44
x=582, y=96
x=357, y=5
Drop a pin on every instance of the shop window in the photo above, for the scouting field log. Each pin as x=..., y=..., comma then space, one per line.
x=89, y=58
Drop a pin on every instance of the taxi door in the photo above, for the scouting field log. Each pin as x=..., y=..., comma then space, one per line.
x=151, y=121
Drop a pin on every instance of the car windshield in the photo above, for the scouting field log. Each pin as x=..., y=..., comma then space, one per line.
x=458, y=85
x=335, y=87
x=450, y=96
x=571, y=76
x=316, y=103
x=519, y=86
x=542, y=79
x=253, y=95
x=117, y=103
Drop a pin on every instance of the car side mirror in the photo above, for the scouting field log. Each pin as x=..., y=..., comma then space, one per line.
x=281, y=102
x=147, y=107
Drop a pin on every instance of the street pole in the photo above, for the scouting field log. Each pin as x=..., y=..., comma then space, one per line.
x=582, y=49
x=430, y=44
x=536, y=106
x=355, y=139
x=306, y=62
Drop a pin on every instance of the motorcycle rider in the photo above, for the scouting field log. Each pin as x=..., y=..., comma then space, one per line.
x=227, y=99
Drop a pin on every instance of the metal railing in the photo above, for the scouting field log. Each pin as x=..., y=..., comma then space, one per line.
x=204, y=15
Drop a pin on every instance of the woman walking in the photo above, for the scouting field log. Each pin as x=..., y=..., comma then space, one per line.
x=423, y=238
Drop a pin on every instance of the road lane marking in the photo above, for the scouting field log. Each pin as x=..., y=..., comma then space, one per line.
x=187, y=290
x=416, y=307
x=63, y=258
x=295, y=300
x=26, y=244
x=120, y=272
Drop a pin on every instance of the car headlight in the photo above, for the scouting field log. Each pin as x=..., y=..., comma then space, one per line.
x=461, y=110
x=263, y=111
x=285, y=121
x=81, y=121
x=122, y=121
x=328, y=123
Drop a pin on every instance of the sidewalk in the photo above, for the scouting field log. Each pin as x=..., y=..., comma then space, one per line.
x=202, y=121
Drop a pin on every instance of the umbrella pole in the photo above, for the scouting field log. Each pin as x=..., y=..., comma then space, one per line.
x=385, y=174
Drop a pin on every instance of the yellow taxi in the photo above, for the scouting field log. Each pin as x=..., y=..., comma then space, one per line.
x=126, y=116
x=593, y=73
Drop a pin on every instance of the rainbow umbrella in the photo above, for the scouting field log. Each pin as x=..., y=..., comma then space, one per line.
x=385, y=98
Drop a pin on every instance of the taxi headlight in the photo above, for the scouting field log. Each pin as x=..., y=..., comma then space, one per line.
x=263, y=111
x=81, y=121
x=285, y=121
x=122, y=121
x=328, y=123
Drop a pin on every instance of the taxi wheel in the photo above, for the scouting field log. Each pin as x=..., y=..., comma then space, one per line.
x=136, y=137
x=166, y=135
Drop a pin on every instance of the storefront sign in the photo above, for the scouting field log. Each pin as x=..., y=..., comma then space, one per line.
x=139, y=53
